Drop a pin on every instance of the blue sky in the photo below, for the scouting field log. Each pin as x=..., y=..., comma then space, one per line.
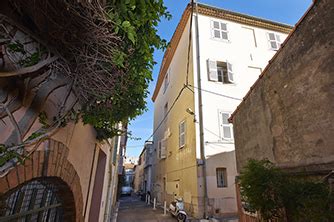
x=285, y=11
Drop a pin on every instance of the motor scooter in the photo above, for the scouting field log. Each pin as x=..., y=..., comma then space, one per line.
x=176, y=208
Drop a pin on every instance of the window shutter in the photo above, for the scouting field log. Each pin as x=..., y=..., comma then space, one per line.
x=159, y=150
x=163, y=149
x=225, y=126
x=224, y=32
x=223, y=26
x=230, y=74
x=212, y=70
x=278, y=40
x=182, y=134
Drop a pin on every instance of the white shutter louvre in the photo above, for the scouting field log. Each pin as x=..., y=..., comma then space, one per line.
x=212, y=70
x=163, y=149
x=230, y=74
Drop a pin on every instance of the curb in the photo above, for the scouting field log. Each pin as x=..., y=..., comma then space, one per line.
x=115, y=213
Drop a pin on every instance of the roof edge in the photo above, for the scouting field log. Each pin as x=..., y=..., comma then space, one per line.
x=217, y=13
x=271, y=61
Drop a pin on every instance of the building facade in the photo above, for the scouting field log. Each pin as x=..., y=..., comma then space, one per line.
x=143, y=171
x=194, y=142
x=66, y=174
x=287, y=117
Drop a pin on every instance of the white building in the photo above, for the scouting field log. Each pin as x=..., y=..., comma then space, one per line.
x=194, y=144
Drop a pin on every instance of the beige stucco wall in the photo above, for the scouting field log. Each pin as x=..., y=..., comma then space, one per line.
x=179, y=168
x=222, y=199
x=288, y=116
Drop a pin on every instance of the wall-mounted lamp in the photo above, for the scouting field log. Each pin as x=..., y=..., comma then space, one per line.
x=191, y=112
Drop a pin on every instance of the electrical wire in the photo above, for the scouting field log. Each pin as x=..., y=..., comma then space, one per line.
x=167, y=113
x=218, y=94
x=186, y=85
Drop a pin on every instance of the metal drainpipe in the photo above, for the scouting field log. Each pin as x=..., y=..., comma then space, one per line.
x=107, y=210
x=200, y=114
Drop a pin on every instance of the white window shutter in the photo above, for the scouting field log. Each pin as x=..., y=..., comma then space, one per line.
x=168, y=76
x=223, y=26
x=212, y=29
x=278, y=40
x=163, y=149
x=230, y=74
x=212, y=70
x=182, y=134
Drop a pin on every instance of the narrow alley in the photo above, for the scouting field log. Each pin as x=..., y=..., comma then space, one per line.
x=132, y=209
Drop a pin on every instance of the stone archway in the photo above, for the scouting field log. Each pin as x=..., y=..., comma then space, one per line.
x=40, y=199
x=45, y=165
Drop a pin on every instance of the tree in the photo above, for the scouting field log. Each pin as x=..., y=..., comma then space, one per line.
x=277, y=195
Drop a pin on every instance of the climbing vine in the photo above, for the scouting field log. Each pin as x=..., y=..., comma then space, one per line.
x=107, y=49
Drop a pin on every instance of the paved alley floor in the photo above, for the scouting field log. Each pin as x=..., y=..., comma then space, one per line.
x=132, y=209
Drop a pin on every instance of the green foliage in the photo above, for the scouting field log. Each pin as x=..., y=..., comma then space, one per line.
x=275, y=194
x=135, y=22
x=260, y=184
x=43, y=119
x=6, y=155
x=16, y=47
x=35, y=135
x=29, y=60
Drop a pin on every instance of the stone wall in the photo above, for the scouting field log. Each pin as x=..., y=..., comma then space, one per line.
x=288, y=117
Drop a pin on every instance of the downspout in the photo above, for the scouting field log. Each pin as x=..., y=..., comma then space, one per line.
x=200, y=113
x=90, y=181
x=107, y=210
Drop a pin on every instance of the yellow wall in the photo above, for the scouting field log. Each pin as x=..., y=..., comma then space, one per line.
x=180, y=166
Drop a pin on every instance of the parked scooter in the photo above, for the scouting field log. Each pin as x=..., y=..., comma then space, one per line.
x=176, y=208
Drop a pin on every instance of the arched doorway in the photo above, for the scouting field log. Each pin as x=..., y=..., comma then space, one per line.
x=41, y=199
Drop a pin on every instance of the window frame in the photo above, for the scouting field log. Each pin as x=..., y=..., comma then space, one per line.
x=222, y=125
x=165, y=111
x=166, y=80
x=221, y=183
x=162, y=154
x=183, y=122
x=220, y=29
x=277, y=40
x=226, y=71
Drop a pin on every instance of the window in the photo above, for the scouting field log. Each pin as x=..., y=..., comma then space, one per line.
x=165, y=111
x=162, y=149
x=274, y=41
x=221, y=177
x=182, y=134
x=220, y=71
x=225, y=126
x=219, y=30
x=166, y=80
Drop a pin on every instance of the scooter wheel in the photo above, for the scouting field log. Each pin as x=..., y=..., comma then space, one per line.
x=181, y=217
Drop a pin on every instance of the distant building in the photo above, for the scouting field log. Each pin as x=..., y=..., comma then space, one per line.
x=288, y=115
x=194, y=155
x=143, y=171
x=129, y=174
x=131, y=159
